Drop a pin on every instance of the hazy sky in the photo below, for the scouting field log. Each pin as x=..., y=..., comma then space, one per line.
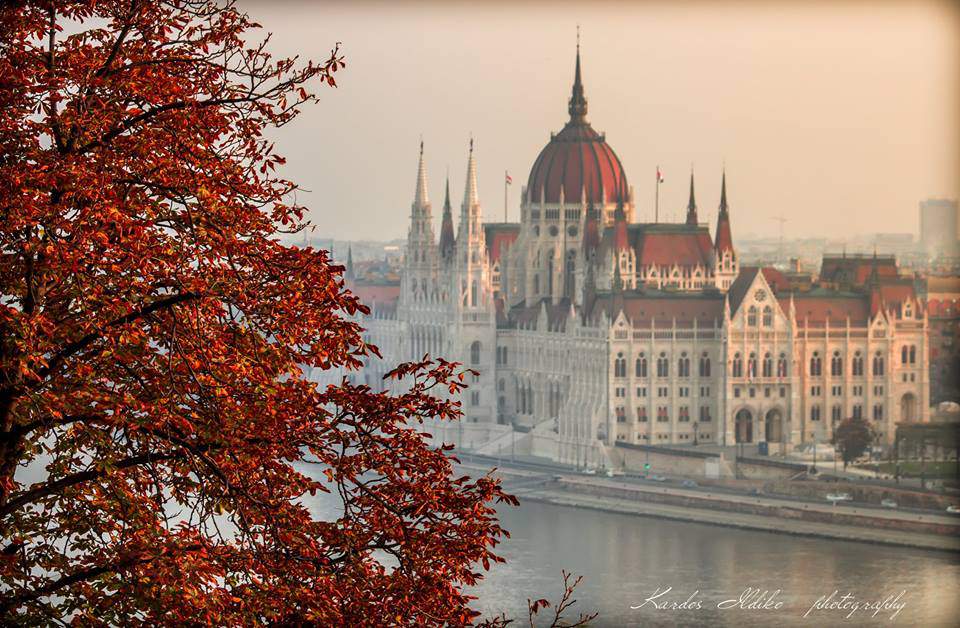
x=839, y=118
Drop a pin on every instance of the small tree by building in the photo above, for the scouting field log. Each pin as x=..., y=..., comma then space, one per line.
x=851, y=438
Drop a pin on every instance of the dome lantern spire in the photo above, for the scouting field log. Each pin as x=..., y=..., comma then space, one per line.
x=578, y=102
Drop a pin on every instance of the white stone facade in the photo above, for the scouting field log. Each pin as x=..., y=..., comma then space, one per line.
x=617, y=331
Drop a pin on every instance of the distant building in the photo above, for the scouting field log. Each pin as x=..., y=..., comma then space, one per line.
x=943, y=306
x=590, y=329
x=938, y=227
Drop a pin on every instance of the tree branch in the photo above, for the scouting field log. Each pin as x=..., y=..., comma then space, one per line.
x=51, y=488
x=82, y=343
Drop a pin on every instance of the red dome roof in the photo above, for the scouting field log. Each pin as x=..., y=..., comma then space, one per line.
x=577, y=159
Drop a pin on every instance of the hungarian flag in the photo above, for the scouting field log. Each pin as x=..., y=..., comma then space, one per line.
x=659, y=175
x=509, y=178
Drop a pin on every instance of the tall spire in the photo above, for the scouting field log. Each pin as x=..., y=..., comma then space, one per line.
x=350, y=273
x=446, y=226
x=446, y=196
x=691, y=204
x=578, y=102
x=470, y=225
x=420, y=196
x=723, y=193
x=470, y=194
x=724, y=240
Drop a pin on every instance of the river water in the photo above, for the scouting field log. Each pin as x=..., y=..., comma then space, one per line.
x=624, y=559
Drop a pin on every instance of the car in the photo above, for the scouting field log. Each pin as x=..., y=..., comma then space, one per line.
x=839, y=497
x=658, y=478
x=589, y=472
x=888, y=503
x=953, y=510
x=689, y=484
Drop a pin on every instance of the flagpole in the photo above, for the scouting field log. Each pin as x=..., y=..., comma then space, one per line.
x=656, y=215
x=505, y=175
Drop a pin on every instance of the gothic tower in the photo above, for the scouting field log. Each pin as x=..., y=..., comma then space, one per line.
x=419, y=281
x=725, y=264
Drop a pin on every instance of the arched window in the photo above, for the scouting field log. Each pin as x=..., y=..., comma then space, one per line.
x=857, y=365
x=878, y=364
x=737, y=366
x=752, y=316
x=473, y=294
x=663, y=366
x=913, y=354
x=858, y=411
x=815, y=365
x=475, y=353
x=752, y=365
x=903, y=354
x=620, y=366
x=767, y=316
x=815, y=413
x=683, y=365
x=641, y=367
x=704, y=365
x=836, y=364
x=504, y=355
x=782, y=365
x=836, y=414
x=767, y=365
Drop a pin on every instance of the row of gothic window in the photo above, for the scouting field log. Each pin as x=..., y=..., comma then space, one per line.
x=836, y=413
x=736, y=365
x=662, y=364
x=663, y=414
x=908, y=355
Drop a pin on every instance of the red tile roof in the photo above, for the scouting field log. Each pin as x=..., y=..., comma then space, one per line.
x=775, y=279
x=498, y=235
x=856, y=269
x=724, y=240
x=837, y=307
x=642, y=310
x=371, y=294
x=683, y=248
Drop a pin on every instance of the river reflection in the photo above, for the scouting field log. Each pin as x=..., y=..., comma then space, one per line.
x=625, y=558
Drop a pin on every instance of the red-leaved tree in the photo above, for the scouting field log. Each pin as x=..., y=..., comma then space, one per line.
x=154, y=418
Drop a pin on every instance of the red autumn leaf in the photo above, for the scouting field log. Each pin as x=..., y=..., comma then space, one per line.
x=155, y=331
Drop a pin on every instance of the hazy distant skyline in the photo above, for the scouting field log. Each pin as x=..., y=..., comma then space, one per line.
x=839, y=118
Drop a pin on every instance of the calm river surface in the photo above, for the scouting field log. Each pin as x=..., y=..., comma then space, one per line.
x=623, y=560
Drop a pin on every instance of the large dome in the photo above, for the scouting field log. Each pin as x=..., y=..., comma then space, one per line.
x=578, y=159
